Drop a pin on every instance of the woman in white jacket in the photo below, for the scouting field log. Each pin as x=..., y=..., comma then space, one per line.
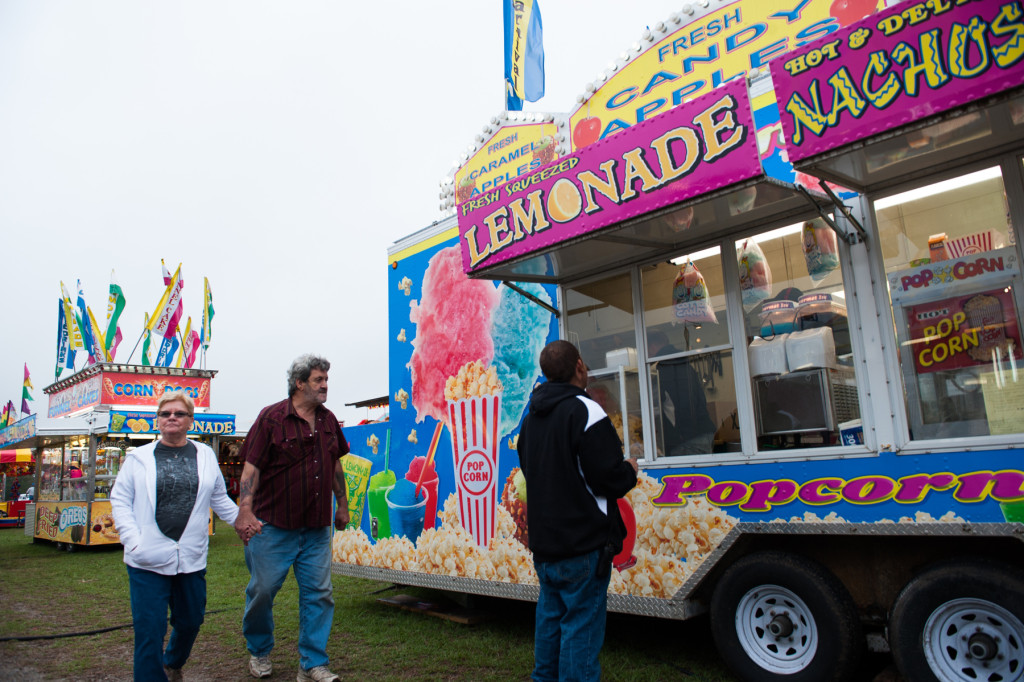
x=161, y=503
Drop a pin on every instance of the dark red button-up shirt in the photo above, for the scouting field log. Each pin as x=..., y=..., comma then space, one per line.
x=296, y=464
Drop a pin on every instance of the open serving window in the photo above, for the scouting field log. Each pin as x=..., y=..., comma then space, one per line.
x=922, y=108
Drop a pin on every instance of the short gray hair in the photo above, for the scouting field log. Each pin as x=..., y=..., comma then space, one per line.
x=302, y=367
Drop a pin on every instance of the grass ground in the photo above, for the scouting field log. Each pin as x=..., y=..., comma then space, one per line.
x=47, y=592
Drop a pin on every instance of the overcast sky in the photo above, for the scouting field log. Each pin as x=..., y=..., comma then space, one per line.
x=277, y=148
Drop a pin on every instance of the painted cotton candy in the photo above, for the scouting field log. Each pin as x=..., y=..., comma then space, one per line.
x=519, y=332
x=453, y=321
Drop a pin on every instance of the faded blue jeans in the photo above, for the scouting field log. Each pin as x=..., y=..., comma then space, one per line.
x=570, y=618
x=268, y=556
x=151, y=595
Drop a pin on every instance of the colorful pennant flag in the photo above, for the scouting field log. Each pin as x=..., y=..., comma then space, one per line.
x=64, y=353
x=524, y=53
x=25, y=395
x=207, y=331
x=192, y=345
x=99, y=345
x=166, y=353
x=164, y=321
x=10, y=413
x=145, y=342
x=75, y=341
x=167, y=274
x=4, y=415
x=181, y=351
x=85, y=326
x=115, y=306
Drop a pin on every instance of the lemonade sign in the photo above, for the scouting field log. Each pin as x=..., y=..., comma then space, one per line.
x=696, y=148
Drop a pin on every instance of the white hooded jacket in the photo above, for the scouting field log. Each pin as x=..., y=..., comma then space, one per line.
x=133, y=501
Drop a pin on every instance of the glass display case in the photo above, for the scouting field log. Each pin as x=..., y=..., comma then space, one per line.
x=953, y=275
x=74, y=482
x=617, y=391
x=108, y=462
x=50, y=462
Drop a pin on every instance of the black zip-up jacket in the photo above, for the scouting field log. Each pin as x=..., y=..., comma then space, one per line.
x=571, y=457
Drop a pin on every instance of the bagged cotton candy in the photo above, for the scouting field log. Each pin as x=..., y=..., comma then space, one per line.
x=690, y=298
x=820, y=249
x=755, y=277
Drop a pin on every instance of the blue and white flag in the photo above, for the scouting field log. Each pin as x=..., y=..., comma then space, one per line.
x=86, y=327
x=168, y=347
x=524, y=53
x=65, y=354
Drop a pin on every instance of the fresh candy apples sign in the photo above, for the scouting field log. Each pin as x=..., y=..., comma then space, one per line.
x=700, y=50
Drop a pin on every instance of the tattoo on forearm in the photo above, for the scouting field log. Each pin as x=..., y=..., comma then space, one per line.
x=247, y=491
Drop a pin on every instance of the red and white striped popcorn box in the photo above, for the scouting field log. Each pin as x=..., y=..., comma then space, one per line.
x=972, y=244
x=475, y=424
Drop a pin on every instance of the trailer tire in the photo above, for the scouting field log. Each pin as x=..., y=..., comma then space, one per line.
x=961, y=619
x=770, y=598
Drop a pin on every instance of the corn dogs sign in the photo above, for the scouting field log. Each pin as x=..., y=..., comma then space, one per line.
x=693, y=149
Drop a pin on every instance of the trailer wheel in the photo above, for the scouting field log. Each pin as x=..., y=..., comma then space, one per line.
x=779, y=616
x=960, y=620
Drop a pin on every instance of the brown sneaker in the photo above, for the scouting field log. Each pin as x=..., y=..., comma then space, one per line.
x=317, y=674
x=259, y=666
x=173, y=674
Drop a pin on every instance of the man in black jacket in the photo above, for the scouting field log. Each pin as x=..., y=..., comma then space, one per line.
x=572, y=459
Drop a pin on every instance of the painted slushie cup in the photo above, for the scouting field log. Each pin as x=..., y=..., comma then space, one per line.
x=429, y=482
x=357, y=474
x=406, y=510
x=380, y=484
x=1013, y=512
x=474, y=419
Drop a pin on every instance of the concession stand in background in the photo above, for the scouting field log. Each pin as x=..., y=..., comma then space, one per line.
x=94, y=418
x=16, y=465
x=798, y=296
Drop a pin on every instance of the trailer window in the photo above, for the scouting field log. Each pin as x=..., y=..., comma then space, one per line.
x=689, y=356
x=952, y=270
x=600, y=322
x=798, y=336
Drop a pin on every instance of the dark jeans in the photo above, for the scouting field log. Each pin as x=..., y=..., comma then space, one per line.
x=151, y=595
x=570, y=618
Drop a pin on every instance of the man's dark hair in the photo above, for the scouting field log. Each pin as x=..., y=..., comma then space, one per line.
x=558, y=361
x=302, y=368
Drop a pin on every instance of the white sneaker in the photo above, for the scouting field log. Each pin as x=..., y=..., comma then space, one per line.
x=260, y=666
x=317, y=674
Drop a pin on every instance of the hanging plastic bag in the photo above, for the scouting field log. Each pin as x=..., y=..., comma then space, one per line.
x=690, y=297
x=755, y=277
x=820, y=249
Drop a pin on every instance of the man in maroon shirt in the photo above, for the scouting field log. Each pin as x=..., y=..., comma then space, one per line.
x=292, y=465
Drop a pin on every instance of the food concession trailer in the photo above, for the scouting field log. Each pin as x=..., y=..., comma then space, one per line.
x=823, y=382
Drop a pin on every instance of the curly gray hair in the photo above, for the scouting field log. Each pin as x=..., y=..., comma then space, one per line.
x=302, y=367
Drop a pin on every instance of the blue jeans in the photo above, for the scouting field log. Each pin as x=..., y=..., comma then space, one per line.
x=268, y=556
x=151, y=595
x=570, y=618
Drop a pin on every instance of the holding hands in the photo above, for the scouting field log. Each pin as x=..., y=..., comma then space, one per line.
x=247, y=525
